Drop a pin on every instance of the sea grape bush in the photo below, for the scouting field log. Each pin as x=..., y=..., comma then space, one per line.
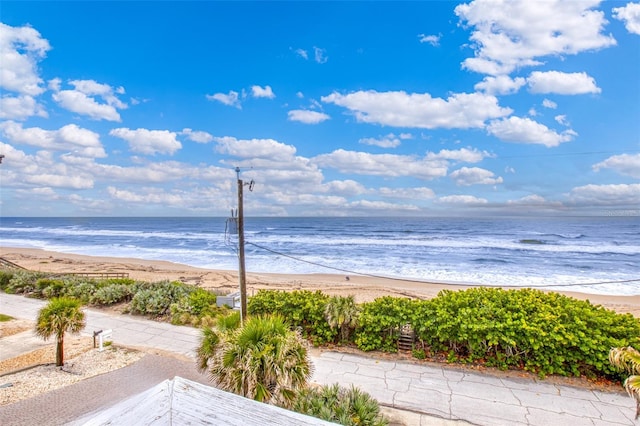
x=197, y=308
x=302, y=309
x=381, y=320
x=546, y=333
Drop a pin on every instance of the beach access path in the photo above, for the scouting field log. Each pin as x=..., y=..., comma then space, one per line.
x=430, y=392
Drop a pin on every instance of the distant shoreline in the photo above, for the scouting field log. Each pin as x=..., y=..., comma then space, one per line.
x=364, y=288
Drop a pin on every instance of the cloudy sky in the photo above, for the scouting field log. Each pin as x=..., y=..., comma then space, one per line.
x=359, y=108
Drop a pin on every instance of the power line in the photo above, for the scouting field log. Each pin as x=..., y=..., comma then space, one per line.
x=430, y=282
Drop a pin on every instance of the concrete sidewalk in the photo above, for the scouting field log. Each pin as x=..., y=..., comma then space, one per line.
x=447, y=393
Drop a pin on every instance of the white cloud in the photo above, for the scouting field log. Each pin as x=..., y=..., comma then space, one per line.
x=511, y=34
x=255, y=148
x=60, y=181
x=81, y=142
x=500, y=85
x=21, y=48
x=345, y=188
x=562, y=83
x=432, y=39
x=620, y=194
x=464, y=155
x=307, y=116
x=262, y=92
x=197, y=136
x=150, y=196
x=147, y=141
x=462, y=199
x=231, y=99
x=320, y=55
x=20, y=108
x=630, y=15
x=562, y=119
x=534, y=201
x=549, y=104
x=300, y=95
x=387, y=141
x=525, y=130
x=625, y=164
x=83, y=99
x=54, y=84
x=467, y=176
x=388, y=165
x=302, y=53
x=399, y=109
x=417, y=193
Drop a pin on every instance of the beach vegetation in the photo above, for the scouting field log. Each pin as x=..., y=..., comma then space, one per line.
x=334, y=403
x=628, y=360
x=546, y=333
x=197, y=308
x=302, y=309
x=111, y=294
x=381, y=321
x=263, y=359
x=23, y=282
x=156, y=298
x=342, y=313
x=49, y=288
x=5, y=278
x=61, y=315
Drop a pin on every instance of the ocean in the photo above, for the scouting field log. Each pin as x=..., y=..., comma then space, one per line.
x=588, y=254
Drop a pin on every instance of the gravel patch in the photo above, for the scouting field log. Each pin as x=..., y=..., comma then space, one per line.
x=38, y=380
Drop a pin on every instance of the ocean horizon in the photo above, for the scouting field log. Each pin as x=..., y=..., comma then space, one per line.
x=587, y=254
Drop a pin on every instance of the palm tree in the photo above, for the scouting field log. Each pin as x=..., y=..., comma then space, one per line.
x=628, y=359
x=346, y=406
x=342, y=313
x=60, y=315
x=263, y=359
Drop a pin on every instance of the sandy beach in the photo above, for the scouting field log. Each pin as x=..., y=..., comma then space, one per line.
x=364, y=288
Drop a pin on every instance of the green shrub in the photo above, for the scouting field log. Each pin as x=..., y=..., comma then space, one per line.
x=302, y=309
x=48, y=288
x=81, y=289
x=5, y=278
x=547, y=333
x=193, y=307
x=112, y=294
x=156, y=298
x=350, y=407
x=23, y=282
x=380, y=322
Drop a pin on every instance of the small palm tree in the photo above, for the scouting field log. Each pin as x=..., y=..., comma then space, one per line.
x=628, y=359
x=263, y=359
x=59, y=316
x=345, y=406
x=342, y=314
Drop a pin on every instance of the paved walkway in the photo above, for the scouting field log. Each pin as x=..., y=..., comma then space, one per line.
x=447, y=393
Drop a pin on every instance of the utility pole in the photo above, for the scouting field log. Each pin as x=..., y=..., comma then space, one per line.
x=241, y=271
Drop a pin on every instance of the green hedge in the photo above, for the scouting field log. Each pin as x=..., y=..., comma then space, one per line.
x=381, y=320
x=547, y=333
x=303, y=309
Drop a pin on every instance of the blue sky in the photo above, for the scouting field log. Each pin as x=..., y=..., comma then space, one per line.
x=360, y=108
